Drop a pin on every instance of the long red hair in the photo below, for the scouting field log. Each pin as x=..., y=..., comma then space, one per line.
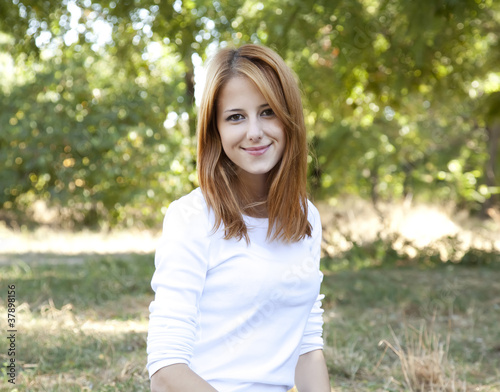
x=287, y=181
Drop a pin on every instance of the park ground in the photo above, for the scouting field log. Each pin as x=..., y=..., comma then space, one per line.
x=395, y=320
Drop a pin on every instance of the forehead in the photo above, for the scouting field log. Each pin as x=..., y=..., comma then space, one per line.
x=239, y=90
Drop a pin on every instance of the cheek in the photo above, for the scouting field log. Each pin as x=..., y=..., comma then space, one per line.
x=280, y=136
x=281, y=150
x=226, y=138
x=282, y=143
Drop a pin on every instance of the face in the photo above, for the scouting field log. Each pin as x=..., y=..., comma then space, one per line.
x=252, y=136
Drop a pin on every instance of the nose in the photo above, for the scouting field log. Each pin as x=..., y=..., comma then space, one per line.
x=254, y=132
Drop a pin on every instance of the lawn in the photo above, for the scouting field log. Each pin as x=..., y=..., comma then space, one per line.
x=82, y=325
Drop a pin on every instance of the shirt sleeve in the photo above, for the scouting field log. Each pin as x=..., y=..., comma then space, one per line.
x=181, y=267
x=313, y=332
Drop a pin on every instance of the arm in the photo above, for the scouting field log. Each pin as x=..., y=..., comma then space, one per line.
x=311, y=374
x=181, y=262
x=178, y=377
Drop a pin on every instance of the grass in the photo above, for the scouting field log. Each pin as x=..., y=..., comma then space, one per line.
x=414, y=329
x=396, y=317
x=82, y=326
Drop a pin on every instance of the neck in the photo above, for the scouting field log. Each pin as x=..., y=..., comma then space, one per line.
x=253, y=188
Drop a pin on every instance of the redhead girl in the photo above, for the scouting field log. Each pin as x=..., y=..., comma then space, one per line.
x=237, y=305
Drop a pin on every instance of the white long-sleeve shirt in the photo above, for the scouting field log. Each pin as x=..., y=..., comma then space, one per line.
x=239, y=315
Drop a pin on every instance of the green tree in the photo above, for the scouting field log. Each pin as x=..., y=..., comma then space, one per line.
x=98, y=115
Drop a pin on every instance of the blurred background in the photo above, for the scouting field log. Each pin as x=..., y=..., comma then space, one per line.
x=98, y=113
x=97, y=136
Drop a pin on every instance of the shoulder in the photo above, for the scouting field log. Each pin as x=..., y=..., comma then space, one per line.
x=313, y=214
x=189, y=212
x=192, y=203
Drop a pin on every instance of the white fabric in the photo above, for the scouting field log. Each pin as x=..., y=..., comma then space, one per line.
x=239, y=315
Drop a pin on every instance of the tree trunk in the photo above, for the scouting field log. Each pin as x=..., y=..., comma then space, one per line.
x=493, y=139
x=189, y=93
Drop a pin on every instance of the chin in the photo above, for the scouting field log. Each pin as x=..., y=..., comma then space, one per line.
x=258, y=172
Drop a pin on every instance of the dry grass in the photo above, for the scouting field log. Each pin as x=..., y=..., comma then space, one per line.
x=65, y=349
x=456, y=309
x=411, y=227
x=424, y=361
x=45, y=240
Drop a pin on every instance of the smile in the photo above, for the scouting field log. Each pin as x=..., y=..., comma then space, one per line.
x=257, y=150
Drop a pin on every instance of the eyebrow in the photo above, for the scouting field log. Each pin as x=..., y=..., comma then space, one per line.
x=241, y=110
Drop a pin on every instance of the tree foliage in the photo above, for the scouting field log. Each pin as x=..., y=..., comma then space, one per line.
x=98, y=118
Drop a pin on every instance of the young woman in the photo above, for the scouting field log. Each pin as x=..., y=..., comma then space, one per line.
x=237, y=305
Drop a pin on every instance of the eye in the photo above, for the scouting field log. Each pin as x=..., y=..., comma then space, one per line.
x=235, y=117
x=268, y=113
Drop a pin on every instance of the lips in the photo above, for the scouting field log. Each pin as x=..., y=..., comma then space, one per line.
x=257, y=150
